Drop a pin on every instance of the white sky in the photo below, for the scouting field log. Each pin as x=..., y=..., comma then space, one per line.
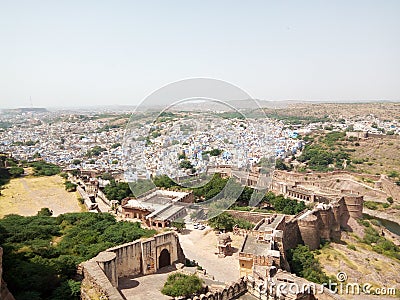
x=82, y=53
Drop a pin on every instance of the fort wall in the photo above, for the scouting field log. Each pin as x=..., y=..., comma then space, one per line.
x=253, y=217
x=146, y=256
x=292, y=235
x=231, y=291
x=128, y=258
x=309, y=230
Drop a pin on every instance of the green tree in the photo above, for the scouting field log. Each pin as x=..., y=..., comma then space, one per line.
x=45, y=212
x=117, y=191
x=76, y=162
x=225, y=221
x=106, y=176
x=181, y=156
x=164, y=181
x=49, y=268
x=179, y=225
x=303, y=263
x=185, y=164
x=95, y=151
x=182, y=285
x=70, y=186
x=42, y=168
x=16, y=171
x=280, y=165
x=215, y=152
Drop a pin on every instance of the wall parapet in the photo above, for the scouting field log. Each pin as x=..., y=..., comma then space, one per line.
x=231, y=291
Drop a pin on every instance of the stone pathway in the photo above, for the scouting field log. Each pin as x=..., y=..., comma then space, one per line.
x=145, y=287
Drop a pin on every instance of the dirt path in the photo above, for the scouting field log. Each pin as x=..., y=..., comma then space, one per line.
x=26, y=196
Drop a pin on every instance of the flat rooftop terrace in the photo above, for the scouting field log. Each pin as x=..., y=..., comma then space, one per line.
x=251, y=246
x=158, y=199
x=272, y=225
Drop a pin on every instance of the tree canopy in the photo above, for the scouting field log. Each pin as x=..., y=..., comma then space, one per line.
x=303, y=263
x=225, y=221
x=178, y=285
x=42, y=168
x=44, y=251
x=284, y=205
x=117, y=191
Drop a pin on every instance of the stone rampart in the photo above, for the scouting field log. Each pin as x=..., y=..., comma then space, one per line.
x=145, y=256
x=231, y=291
x=253, y=217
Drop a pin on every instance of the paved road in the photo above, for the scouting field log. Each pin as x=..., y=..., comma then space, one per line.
x=201, y=246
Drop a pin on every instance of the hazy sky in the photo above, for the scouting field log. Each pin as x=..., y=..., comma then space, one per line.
x=75, y=53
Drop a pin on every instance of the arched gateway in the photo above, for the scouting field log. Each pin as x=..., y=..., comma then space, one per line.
x=164, y=259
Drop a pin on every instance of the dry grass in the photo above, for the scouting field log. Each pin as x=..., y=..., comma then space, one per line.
x=361, y=265
x=354, y=111
x=26, y=196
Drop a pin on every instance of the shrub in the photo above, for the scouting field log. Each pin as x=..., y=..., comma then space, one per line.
x=303, y=263
x=70, y=186
x=371, y=205
x=45, y=212
x=178, y=285
x=42, y=168
x=16, y=171
x=351, y=247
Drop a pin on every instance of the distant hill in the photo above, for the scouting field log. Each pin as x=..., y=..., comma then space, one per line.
x=25, y=110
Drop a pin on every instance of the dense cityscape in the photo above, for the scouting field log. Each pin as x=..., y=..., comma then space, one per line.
x=173, y=171
x=200, y=150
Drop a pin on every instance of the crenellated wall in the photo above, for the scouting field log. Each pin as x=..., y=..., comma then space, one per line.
x=231, y=291
x=324, y=187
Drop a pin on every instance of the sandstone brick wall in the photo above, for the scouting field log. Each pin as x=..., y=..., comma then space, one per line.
x=128, y=258
x=101, y=273
x=232, y=291
x=96, y=285
x=253, y=217
x=291, y=236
